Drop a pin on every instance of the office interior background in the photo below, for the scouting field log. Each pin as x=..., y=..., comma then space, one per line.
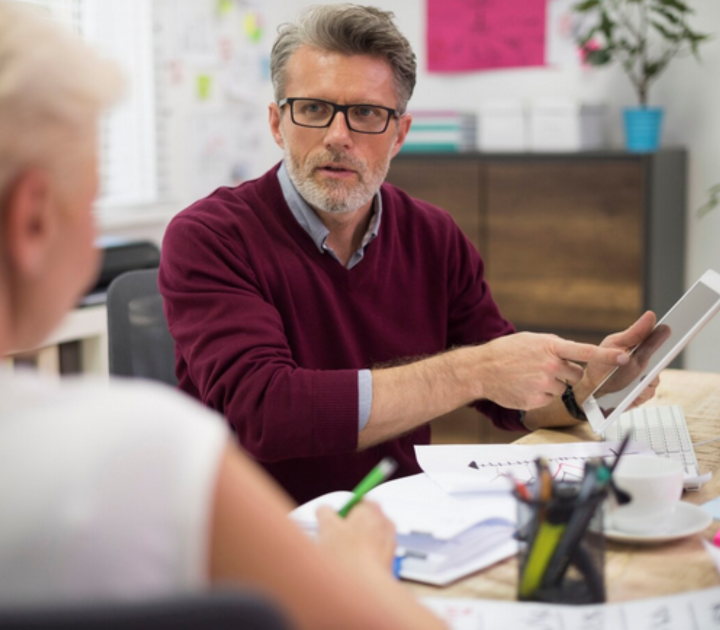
x=196, y=109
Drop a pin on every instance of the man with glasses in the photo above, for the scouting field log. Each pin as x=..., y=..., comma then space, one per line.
x=326, y=313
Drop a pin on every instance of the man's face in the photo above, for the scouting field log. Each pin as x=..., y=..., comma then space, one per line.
x=336, y=169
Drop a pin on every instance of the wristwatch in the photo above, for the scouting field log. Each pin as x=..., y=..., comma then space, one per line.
x=571, y=404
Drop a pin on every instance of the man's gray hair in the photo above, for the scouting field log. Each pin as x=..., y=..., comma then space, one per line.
x=52, y=90
x=348, y=29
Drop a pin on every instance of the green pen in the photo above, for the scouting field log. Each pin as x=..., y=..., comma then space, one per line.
x=376, y=476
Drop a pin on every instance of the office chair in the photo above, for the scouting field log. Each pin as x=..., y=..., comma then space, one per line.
x=213, y=610
x=139, y=341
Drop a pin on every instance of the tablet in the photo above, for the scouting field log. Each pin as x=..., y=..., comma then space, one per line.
x=671, y=334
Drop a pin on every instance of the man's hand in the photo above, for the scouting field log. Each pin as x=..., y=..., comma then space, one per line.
x=365, y=537
x=527, y=370
x=627, y=340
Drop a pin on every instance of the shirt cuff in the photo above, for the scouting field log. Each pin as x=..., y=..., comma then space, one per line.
x=364, y=397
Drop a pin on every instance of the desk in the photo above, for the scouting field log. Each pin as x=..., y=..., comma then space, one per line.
x=634, y=571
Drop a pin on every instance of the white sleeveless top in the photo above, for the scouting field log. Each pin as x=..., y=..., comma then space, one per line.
x=105, y=490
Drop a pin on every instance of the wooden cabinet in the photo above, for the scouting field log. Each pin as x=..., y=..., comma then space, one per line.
x=577, y=244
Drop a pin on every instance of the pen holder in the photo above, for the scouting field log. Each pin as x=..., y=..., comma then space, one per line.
x=562, y=546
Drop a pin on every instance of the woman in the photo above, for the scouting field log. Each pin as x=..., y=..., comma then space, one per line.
x=132, y=490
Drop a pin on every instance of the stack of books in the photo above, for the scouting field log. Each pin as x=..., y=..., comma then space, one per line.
x=449, y=131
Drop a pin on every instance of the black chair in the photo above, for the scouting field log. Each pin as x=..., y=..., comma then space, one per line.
x=214, y=610
x=140, y=343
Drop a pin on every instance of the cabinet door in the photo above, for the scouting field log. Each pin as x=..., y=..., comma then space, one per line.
x=451, y=184
x=564, y=244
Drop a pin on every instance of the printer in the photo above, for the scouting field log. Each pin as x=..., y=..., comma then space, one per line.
x=118, y=256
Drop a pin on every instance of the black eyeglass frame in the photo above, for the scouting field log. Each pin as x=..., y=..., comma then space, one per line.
x=392, y=113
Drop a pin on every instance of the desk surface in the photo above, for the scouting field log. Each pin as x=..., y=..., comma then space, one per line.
x=634, y=571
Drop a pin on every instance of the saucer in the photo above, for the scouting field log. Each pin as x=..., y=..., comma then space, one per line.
x=687, y=519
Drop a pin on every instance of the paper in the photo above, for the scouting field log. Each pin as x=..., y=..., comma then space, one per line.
x=440, y=537
x=485, y=34
x=417, y=505
x=460, y=468
x=695, y=609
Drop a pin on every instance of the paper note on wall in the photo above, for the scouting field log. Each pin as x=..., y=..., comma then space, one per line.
x=485, y=34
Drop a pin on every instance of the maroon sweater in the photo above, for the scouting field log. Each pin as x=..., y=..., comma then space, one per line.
x=272, y=333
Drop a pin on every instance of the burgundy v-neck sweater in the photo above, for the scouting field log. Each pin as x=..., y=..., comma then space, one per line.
x=272, y=333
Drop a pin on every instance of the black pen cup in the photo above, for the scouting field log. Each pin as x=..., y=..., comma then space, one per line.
x=562, y=547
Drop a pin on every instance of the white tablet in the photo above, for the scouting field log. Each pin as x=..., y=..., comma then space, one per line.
x=681, y=323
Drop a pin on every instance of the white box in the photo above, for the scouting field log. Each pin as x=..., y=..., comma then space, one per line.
x=502, y=125
x=566, y=125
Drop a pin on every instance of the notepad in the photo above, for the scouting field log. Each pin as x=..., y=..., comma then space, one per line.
x=440, y=538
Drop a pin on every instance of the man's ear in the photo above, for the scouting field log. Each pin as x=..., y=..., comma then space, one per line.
x=274, y=120
x=30, y=221
x=403, y=128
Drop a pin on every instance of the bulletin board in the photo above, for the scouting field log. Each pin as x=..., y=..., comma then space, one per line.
x=213, y=86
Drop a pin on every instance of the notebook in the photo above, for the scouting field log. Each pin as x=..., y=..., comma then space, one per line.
x=440, y=538
x=671, y=334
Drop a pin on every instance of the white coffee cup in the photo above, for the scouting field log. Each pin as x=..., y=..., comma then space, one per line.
x=655, y=485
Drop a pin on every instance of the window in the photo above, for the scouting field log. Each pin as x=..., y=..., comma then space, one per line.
x=122, y=30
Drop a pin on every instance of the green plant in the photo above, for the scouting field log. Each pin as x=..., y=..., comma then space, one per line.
x=712, y=202
x=643, y=36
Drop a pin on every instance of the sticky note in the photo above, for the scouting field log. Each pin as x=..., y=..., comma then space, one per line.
x=251, y=26
x=204, y=85
x=224, y=6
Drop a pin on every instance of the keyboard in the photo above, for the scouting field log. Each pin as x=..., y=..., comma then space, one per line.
x=665, y=431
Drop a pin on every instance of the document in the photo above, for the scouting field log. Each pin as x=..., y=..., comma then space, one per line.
x=470, y=468
x=440, y=538
x=691, y=610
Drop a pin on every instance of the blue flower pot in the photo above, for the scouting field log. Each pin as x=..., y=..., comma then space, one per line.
x=642, y=128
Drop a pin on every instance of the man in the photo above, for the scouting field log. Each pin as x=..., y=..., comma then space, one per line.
x=129, y=491
x=286, y=294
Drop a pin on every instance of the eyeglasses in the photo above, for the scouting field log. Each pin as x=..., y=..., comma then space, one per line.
x=316, y=113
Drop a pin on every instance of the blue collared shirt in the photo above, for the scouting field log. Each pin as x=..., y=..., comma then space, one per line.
x=312, y=224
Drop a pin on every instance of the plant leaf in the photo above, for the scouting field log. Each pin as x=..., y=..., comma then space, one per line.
x=711, y=203
x=587, y=5
x=666, y=33
x=598, y=57
x=668, y=15
x=606, y=25
x=678, y=5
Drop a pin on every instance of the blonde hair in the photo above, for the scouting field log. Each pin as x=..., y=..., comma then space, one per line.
x=53, y=88
x=348, y=29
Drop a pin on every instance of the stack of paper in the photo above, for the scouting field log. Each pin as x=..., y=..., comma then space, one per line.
x=441, y=537
x=441, y=131
x=694, y=609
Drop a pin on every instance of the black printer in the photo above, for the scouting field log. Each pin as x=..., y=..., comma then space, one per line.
x=118, y=256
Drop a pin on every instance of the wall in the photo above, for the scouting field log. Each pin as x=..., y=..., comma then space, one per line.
x=689, y=91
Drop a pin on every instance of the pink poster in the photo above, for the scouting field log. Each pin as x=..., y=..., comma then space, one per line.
x=485, y=34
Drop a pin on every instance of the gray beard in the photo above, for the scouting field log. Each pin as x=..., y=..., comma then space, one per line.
x=335, y=197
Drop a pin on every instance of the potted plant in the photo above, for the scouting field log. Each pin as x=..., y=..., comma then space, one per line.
x=643, y=36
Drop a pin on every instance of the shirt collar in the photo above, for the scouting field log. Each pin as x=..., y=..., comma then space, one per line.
x=311, y=223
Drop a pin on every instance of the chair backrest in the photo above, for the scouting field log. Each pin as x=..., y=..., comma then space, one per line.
x=139, y=341
x=222, y=610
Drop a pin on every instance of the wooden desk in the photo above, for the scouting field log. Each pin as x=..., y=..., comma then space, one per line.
x=634, y=571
